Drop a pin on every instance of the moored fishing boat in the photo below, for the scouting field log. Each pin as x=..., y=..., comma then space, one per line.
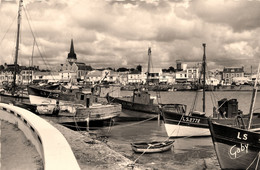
x=152, y=147
x=12, y=92
x=237, y=146
x=141, y=100
x=195, y=124
x=52, y=94
x=178, y=123
x=72, y=105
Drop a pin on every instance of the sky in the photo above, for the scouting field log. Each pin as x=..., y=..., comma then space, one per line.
x=117, y=33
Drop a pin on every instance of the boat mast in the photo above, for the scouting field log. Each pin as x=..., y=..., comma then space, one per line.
x=17, y=44
x=251, y=111
x=148, y=70
x=204, y=74
x=32, y=61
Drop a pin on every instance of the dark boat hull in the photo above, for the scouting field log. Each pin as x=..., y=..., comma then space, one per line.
x=39, y=96
x=236, y=148
x=8, y=98
x=147, y=108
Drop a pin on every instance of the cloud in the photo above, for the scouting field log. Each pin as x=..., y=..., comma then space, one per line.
x=239, y=15
x=118, y=33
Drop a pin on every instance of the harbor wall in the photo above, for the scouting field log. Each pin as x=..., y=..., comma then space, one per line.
x=52, y=146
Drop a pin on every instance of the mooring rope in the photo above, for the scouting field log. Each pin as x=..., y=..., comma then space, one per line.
x=256, y=167
x=142, y=154
x=257, y=156
x=119, y=126
x=111, y=123
x=132, y=124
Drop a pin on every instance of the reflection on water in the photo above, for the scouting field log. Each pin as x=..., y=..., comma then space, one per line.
x=187, y=153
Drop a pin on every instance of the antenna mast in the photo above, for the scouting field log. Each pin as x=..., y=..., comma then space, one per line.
x=17, y=44
x=204, y=74
x=149, y=60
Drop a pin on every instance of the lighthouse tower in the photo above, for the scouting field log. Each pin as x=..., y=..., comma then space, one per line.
x=72, y=57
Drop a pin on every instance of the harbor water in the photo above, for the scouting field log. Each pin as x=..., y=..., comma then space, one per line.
x=188, y=152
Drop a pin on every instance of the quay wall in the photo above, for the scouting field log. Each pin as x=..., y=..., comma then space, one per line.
x=52, y=146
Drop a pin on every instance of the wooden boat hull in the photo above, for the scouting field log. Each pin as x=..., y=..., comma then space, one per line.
x=155, y=147
x=74, y=113
x=147, y=108
x=235, y=148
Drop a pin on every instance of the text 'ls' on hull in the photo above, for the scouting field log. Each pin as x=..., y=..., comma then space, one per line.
x=235, y=148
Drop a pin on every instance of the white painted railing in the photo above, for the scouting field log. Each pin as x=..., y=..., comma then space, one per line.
x=52, y=146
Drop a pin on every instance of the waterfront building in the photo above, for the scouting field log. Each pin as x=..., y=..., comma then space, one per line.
x=23, y=76
x=178, y=65
x=192, y=74
x=112, y=77
x=6, y=77
x=93, y=76
x=98, y=76
x=66, y=76
x=123, y=78
x=240, y=80
x=216, y=73
x=136, y=77
x=167, y=78
x=181, y=77
x=154, y=75
x=46, y=76
x=26, y=76
x=212, y=81
x=230, y=72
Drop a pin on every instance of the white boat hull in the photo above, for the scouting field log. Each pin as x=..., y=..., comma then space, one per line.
x=187, y=131
x=43, y=100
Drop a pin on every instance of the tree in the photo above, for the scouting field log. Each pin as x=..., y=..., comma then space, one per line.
x=171, y=69
x=139, y=68
x=122, y=69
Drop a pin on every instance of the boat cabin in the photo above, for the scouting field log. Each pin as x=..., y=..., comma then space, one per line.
x=227, y=108
x=85, y=98
x=142, y=97
x=175, y=108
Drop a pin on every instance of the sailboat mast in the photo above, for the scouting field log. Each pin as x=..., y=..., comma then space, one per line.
x=204, y=74
x=17, y=44
x=149, y=61
x=253, y=100
x=32, y=60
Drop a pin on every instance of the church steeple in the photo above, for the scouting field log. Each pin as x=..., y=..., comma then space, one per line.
x=72, y=57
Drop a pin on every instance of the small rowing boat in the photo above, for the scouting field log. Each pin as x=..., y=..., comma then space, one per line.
x=152, y=147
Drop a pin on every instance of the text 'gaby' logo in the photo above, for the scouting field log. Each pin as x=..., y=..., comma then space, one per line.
x=237, y=151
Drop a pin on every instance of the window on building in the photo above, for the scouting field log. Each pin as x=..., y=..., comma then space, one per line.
x=81, y=97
